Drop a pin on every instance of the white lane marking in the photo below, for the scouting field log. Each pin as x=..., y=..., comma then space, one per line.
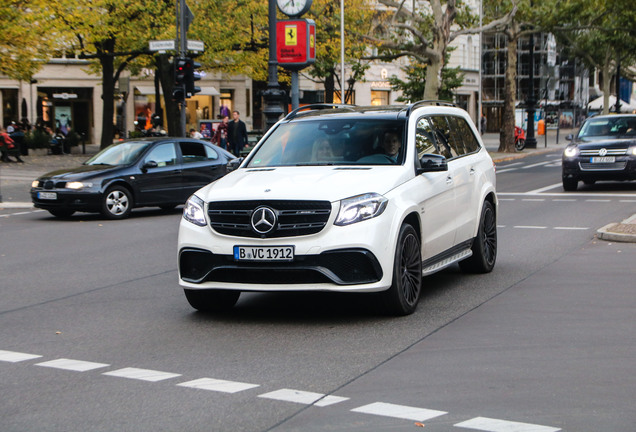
x=507, y=199
x=512, y=164
x=303, y=397
x=399, y=411
x=142, y=374
x=568, y=194
x=598, y=200
x=537, y=164
x=533, y=199
x=495, y=425
x=564, y=200
x=530, y=227
x=72, y=365
x=218, y=385
x=14, y=357
x=572, y=228
x=627, y=201
x=543, y=189
x=501, y=171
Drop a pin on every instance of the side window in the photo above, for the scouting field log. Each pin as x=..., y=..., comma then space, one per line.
x=443, y=137
x=210, y=153
x=456, y=141
x=424, y=141
x=193, y=152
x=464, y=134
x=164, y=154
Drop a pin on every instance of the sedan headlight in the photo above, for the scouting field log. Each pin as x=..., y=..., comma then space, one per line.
x=359, y=208
x=35, y=183
x=78, y=185
x=193, y=211
x=631, y=151
x=571, y=151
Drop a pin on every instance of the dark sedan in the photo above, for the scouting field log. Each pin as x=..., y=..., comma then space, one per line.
x=161, y=172
x=603, y=149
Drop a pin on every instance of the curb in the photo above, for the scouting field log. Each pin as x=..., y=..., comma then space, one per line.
x=15, y=205
x=606, y=233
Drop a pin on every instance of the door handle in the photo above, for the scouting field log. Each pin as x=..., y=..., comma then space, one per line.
x=472, y=171
x=449, y=180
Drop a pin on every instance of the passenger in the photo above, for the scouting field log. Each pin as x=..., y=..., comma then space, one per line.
x=322, y=151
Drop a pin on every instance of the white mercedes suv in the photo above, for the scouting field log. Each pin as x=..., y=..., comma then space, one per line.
x=344, y=198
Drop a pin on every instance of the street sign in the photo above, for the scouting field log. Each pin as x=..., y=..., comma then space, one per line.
x=195, y=45
x=161, y=45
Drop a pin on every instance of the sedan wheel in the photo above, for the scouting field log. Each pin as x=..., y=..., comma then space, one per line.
x=570, y=184
x=117, y=203
x=404, y=294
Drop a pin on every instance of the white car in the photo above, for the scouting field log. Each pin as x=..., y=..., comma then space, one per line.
x=348, y=199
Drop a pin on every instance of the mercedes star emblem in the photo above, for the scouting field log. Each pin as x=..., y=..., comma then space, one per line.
x=263, y=220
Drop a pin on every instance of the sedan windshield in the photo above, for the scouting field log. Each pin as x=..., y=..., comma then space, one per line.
x=609, y=127
x=119, y=154
x=332, y=142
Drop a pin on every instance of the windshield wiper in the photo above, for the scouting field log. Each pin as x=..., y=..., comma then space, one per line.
x=315, y=164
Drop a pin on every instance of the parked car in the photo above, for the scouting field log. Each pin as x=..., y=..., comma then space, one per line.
x=603, y=149
x=349, y=199
x=158, y=171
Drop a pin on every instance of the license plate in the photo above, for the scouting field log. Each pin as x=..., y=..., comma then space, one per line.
x=47, y=195
x=260, y=253
x=604, y=159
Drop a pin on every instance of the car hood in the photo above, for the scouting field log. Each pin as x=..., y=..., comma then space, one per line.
x=329, y=183
x=595, y=143
x=80, y=172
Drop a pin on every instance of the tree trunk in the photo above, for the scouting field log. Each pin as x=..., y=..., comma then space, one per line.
x=433, y=77
x=507, y=133
x=329, y=88
x=607, y=84
x=108, y=94
x=172, y=115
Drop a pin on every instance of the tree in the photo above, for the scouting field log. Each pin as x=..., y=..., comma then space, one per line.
x=424, y=35
x=25, y=40
x=414, y=87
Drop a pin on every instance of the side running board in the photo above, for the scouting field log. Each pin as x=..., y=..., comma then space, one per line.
x=445, y=262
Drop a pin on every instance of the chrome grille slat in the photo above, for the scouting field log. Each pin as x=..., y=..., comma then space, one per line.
x=610, y=152
x=617, y=166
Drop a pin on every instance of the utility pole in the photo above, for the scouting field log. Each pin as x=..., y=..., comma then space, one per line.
x=181, y=44
x=274, y=95
x=531, y=141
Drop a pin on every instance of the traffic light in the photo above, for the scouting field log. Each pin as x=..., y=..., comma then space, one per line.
x=191, y=75
x=178, y=95
x=180, y=71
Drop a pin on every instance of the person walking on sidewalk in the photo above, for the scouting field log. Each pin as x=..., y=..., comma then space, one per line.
x=8, y=147
x=236, y=134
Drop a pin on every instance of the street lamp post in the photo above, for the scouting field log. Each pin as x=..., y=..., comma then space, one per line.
x=273, y=95
x=531, y=141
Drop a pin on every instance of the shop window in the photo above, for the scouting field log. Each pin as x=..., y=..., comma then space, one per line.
x=379, y=97
x=226, y=103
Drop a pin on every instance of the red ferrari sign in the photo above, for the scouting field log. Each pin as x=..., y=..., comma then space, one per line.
x=295, y=43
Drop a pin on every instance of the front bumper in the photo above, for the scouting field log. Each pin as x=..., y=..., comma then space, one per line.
x=67, y=199
x=580, y=168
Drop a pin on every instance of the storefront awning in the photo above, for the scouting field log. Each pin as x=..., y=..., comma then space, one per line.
x=205, y=91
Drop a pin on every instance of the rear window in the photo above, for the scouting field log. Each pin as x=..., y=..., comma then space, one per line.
x=332, y=142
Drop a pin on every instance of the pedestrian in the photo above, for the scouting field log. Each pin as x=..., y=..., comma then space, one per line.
x=11, y=127
x=195, y=134
x=483, y=124
x=8, y=147
x=237, y=134
x=220, y=136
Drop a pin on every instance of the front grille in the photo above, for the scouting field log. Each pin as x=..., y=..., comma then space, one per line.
x=616, y=166
x=610, y=152
x=50, y=184
x=342, y=267
x=294, y=218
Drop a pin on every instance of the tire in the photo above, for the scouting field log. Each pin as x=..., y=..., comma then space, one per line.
x=485, y=244
x=520, y=144
x=62, y=213
x=117, y=202
x=402, y=298
x=570, y=184
x=212, y=300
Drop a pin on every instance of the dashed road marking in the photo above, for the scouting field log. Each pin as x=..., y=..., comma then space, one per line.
x=399, y=411
x=142, y=374
x=530, y=227
x=495, y=425
x=303, y=397
x=14, y=357
x=72, y=365
x=218, y=385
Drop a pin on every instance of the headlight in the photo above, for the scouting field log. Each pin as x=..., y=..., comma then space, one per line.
x=78, y=185
x=571, y=151
x=35, y=183
x=193, y=211
x=632, y=151
x=359, y=208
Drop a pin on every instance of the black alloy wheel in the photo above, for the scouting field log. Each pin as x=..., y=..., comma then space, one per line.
x=403, y=296
x=485, y=244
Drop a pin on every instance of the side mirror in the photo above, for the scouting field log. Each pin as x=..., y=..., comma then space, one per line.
x=233, y=164
x=569, y=137
x=432, y=163
x=150, y=164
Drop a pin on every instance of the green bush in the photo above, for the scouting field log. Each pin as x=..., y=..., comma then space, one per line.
x=37, y=139
x=135, y=134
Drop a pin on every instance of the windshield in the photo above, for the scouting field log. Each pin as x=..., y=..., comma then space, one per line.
x=119, y=154
x=608, y=127
x=332, y=142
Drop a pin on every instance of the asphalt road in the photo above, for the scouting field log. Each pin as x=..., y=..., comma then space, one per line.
x=95, y=333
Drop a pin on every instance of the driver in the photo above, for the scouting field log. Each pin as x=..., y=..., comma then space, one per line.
x=391, y=144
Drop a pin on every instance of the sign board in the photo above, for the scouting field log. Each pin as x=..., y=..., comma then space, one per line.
x=195, y=45
x=161, y=45
x=295, y=43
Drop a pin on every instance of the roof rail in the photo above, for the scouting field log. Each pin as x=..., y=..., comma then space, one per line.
x=317, y=106
x=429, y=102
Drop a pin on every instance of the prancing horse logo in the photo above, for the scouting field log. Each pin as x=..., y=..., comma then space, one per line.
x=263, y=220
